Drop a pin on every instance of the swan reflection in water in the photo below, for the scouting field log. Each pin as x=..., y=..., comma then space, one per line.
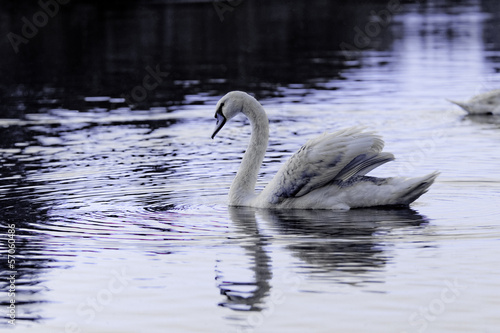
x=346, y=247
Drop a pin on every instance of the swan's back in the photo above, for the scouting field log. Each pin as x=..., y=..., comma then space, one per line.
x=485, y=103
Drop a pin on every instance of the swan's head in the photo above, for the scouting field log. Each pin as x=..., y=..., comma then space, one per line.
x=229, y=106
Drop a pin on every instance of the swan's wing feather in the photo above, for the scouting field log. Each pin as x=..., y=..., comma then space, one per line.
x=362, y=164
x=340, y=155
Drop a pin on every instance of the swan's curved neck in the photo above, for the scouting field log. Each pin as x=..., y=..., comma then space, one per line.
x=243, y=187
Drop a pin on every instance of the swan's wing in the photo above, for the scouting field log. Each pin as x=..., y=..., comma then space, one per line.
x=331, y=156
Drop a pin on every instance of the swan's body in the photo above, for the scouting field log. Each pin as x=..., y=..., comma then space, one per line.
x=486, y=103
x=328, y=172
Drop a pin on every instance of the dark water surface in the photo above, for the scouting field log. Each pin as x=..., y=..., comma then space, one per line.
x=116, y=196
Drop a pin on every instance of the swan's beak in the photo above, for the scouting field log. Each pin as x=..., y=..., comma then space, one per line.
x=221, y=121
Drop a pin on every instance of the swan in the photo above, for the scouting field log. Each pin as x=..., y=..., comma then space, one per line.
x=328, y=172
x=485, y=103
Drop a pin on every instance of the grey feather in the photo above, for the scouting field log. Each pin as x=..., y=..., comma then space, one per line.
x=331, y=156
x=362, y=164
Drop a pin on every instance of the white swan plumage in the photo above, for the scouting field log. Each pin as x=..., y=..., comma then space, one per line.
x=328, y=172
x=487, y=103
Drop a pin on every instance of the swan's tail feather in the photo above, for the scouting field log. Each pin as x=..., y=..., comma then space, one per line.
x=463, y=105
x=420, y=186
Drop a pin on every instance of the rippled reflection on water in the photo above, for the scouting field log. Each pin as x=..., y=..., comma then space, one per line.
x=122, y=223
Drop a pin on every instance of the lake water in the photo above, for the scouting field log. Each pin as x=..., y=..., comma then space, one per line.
x=120, y=214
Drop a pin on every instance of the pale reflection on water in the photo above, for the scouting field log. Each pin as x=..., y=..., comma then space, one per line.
x=121, y=216
x=343, y=247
